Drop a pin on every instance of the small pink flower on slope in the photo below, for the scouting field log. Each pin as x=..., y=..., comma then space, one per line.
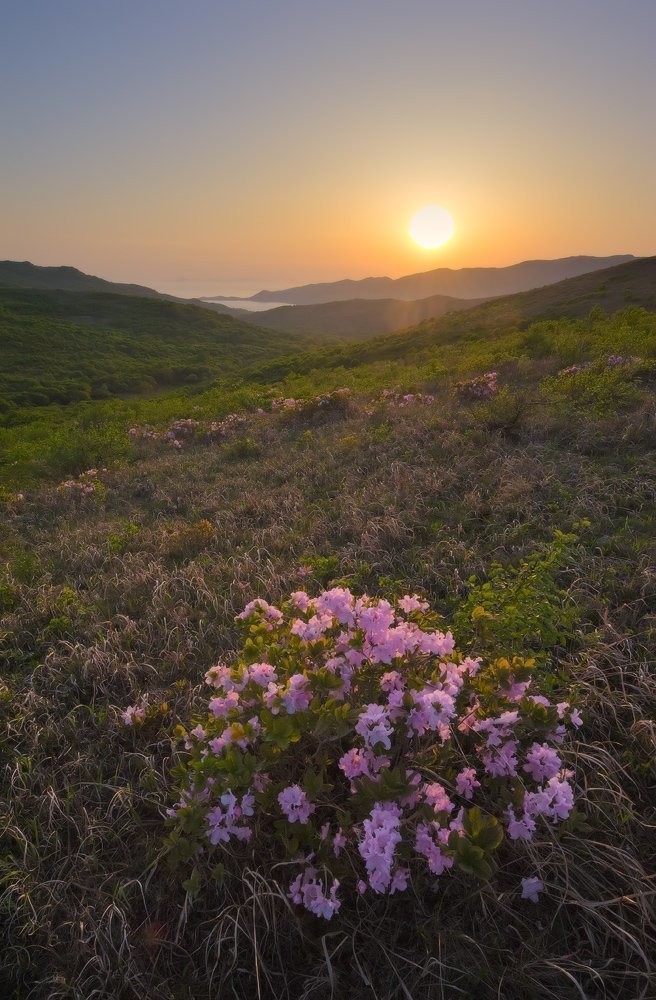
x=295, y=805
x=531, y=889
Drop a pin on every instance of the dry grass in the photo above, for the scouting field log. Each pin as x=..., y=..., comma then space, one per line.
x=424, y=499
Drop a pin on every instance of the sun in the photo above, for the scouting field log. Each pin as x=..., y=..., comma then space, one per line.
x=431, y=227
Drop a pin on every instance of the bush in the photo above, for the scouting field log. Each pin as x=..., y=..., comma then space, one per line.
x=360, y=753
x=598, y=387
x=522, y=608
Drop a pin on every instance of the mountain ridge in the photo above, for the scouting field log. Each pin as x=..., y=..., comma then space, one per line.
x=473, y=282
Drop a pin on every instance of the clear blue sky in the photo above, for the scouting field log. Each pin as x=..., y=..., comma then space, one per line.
x=216, y=146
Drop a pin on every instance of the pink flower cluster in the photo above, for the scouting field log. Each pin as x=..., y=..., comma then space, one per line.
x=396, y=398
x=306, y=890
x=134, y=714
x=85, y=484
x=295, y=805
x=187, y=430
x=228, y=819
x=289, y=404
x=366, y=699
x=220, y=430
x=480, y=387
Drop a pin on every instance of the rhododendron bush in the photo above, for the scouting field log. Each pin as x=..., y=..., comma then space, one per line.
x=352, y=749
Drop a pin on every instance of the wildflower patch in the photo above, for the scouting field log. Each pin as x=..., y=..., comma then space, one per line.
x=356, y=751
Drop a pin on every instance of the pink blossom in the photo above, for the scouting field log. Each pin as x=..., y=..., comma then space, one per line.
x=542, y=762
x=355, y=763
x=436, y=796
x=414, y=603
x=466, y=782
x=133, y=714
x=426, y=846
x=297, y=695
x=300, y=600
x=308, y=891
x=373, y=725
x=262, y=674
x=531, y=889
x=381, y=838
x=502, y=762
x=295, y=804
x=520, y=829
x=220, y=707
x=339, y=842
x=228, y=819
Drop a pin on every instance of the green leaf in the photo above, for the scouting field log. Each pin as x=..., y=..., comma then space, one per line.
x=471, y=859
x=192, y=884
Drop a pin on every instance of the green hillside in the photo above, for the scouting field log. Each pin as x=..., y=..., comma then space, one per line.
x=525, y=518
x=61, y=347
x=213, y=365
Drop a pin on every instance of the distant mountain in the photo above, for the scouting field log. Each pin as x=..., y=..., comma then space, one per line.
x=356, y=319
x=615, y=288
x=465, y=283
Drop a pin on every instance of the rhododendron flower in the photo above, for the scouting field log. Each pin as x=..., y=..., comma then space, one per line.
x=355, y=763
x=298, y=695
x=377, y=847
x=283, y=721
x=262, y=674
x=414, y=603
x=502, y=762
x=520, y=829
x=228, y=819
x=300, y=600
x=373, y=725
x=425, y=845
x=133, y=714
x=313, y=629
x=436, y=796
x=434, y=708
x=531, y=889
x=392, y=681
x=466, y=782
x=221, y=706
x=306, y=890
x=337, y=602
x=339, y=842
x=399, y=881
x=575, y=718
x=542, y=762
x=220, y=676
x=295, y=805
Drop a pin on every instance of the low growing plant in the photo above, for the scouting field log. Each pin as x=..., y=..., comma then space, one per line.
x=352, y=750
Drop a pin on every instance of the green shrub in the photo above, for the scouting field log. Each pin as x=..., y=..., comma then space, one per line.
x=523, y=608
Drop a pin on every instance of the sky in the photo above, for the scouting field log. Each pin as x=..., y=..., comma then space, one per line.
x=210, y=147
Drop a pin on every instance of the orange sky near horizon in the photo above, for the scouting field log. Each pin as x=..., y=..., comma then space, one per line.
x=174, y=147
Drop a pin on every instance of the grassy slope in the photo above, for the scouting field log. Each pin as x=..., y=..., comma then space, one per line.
x=59, y=346
x=101, y=606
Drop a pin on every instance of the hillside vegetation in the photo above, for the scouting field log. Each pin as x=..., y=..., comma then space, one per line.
x=62, y=347
x=254, y=365
x=504, y=473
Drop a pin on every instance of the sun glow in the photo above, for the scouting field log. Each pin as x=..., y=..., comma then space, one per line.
x=431, y=227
